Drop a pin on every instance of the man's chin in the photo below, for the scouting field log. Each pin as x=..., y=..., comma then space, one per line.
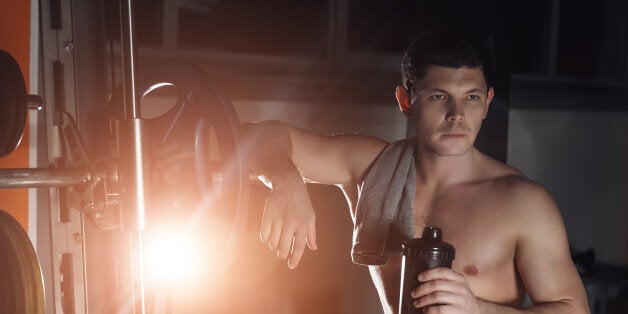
x=453, y=154
x=446, y=148
x=452, y=151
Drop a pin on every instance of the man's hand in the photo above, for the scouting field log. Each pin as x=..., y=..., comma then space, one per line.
x=289, y=221
x=444, y=291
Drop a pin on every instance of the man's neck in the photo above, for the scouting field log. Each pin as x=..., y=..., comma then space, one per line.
x=435, y=171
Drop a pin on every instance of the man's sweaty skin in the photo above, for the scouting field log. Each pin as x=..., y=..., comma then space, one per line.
x=508, y=233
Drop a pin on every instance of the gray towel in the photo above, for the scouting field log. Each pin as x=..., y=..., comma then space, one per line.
x=383, y=219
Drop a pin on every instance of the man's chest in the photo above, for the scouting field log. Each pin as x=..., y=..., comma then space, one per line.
x=476, y=224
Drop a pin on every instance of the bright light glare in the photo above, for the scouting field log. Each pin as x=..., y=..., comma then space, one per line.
x=171, y=258
x=156, y=86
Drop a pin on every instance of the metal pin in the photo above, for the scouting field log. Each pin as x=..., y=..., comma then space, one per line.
x=34, y=102
x=68, y=46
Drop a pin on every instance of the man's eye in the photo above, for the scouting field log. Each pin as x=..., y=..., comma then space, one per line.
x=438, y=97
x=473, y=97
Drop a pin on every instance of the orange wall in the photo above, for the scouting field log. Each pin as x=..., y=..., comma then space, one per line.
x=15, y=38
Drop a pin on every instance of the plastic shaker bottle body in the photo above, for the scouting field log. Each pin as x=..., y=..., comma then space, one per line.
x=420, y=254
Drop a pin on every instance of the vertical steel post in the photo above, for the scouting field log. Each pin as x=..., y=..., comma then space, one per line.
x=132, y=151
x=64, y=269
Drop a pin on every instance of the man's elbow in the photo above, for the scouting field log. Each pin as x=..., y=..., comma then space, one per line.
x=570, y=305
x=579, y=305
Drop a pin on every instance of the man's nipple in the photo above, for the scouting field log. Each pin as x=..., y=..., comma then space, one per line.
x=470, y=270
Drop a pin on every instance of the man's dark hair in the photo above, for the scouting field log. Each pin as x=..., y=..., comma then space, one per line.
x=445, y=48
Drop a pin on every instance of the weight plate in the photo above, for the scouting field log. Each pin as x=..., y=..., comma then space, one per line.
x=12, y=104
x=21, y=283
x=194, y=144
x=199, y=182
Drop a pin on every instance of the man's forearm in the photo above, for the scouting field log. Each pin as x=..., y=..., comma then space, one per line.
x=562, y=306
x=289, y=221
x=268, y=149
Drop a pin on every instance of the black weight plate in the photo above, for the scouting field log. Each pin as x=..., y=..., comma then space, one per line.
x=12, y=104
x=201, y=188
x=174, y=136
x=21, y=283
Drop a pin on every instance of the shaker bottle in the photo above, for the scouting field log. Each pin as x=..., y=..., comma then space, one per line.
x=420, y=254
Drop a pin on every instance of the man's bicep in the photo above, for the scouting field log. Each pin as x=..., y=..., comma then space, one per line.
x=542, y=254
x=338, y=159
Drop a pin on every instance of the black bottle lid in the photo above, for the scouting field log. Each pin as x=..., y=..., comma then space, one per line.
x=432, y=235
x=430, y=245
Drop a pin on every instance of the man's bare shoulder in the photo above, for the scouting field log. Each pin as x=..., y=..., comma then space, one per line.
x=522, y=191
x=515, y=189
x=529, y=206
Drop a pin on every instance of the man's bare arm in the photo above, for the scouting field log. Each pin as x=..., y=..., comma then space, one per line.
x=543, y=258
x=288, y=222
x=268, y=150
x=560, y=306
x=276, y=148
x=283, y=155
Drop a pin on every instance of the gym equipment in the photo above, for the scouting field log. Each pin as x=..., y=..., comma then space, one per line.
x=13, y=104
x=182, y=169
x=21, y=283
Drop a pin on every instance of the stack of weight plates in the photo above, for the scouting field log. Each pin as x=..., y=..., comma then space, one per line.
x=21, y=284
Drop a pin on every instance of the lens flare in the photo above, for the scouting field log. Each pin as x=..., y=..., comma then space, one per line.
x=171, y=258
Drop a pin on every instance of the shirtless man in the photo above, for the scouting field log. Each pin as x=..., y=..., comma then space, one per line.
x=507, y=231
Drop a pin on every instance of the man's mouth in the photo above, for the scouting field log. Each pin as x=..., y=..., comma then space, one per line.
x=455, y=131
x=454, y=135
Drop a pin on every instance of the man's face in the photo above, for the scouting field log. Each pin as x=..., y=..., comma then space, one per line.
x=448, y=107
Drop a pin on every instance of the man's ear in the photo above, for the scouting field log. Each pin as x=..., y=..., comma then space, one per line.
x=489, y=97
x=404, y=101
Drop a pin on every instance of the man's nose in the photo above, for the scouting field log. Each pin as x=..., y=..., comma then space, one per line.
x=455, y=112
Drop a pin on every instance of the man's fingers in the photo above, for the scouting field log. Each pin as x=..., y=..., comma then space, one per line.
x=288, y=228
x=297, y=249
x=444, y=289
x=432, y=286
x=285, y=242
x=439, y=273
x=436, y=309
x=264, y=232
x=268, y=219
x=438, y=298
x=275, y=235
x=311, y=235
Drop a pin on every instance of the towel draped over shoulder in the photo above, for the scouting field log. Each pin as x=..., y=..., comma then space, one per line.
x=383, y=219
